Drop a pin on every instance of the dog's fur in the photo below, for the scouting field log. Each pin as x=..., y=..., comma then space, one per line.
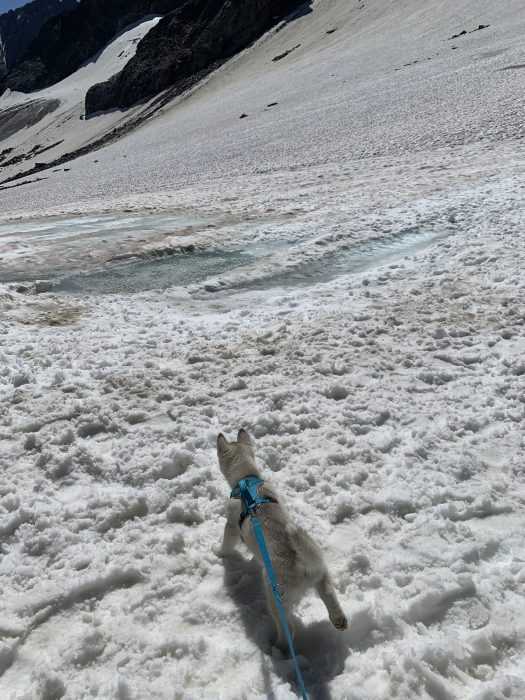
x=297, y=560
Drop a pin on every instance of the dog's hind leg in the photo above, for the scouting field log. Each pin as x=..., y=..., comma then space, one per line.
x=325, y=589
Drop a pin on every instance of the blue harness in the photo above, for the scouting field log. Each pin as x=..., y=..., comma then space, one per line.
x=248, y=491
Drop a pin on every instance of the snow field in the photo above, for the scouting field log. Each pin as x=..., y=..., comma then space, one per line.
x=387, y=408
x=388, y=81
x=387, y=405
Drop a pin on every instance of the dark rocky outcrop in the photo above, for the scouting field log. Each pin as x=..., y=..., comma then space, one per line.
x=19, y=27
x=192, y=38
x=67, y=41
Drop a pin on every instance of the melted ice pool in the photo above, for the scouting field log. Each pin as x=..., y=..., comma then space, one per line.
x=98, y=255
x=348, y=258
x=55, y=246
x=178, y=270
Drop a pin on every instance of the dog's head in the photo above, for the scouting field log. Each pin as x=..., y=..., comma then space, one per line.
x=236, y=459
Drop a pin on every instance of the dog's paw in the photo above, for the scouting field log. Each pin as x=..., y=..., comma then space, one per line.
x=339, y=621
x=220, y=552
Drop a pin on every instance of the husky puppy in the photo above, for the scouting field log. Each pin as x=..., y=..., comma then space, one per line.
x=296, y=558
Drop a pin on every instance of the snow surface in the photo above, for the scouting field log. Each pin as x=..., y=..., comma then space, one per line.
x=387, y=404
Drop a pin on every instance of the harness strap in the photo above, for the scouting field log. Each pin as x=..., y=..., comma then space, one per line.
x=247, y=491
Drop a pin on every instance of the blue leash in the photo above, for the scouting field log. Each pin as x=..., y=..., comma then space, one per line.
x=247, y=491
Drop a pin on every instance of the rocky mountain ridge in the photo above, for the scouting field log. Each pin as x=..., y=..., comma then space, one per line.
x=189, y=40
x=192, y=36
x=18, y=28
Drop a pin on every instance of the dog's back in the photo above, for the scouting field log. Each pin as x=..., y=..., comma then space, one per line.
x=296, y=558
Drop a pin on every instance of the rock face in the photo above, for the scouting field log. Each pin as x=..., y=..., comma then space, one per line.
x=19, y=27
x=3, y=58
x=67, y=41
x=188, y=40
x=191, y=36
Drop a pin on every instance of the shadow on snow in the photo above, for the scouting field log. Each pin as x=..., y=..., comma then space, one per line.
x=324, y=648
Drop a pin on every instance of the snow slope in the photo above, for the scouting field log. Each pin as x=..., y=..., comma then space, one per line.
x=353, y=93
x=387, y=404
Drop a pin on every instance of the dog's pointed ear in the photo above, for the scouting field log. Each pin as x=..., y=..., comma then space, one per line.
x=243, y=437
x=222, y=444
